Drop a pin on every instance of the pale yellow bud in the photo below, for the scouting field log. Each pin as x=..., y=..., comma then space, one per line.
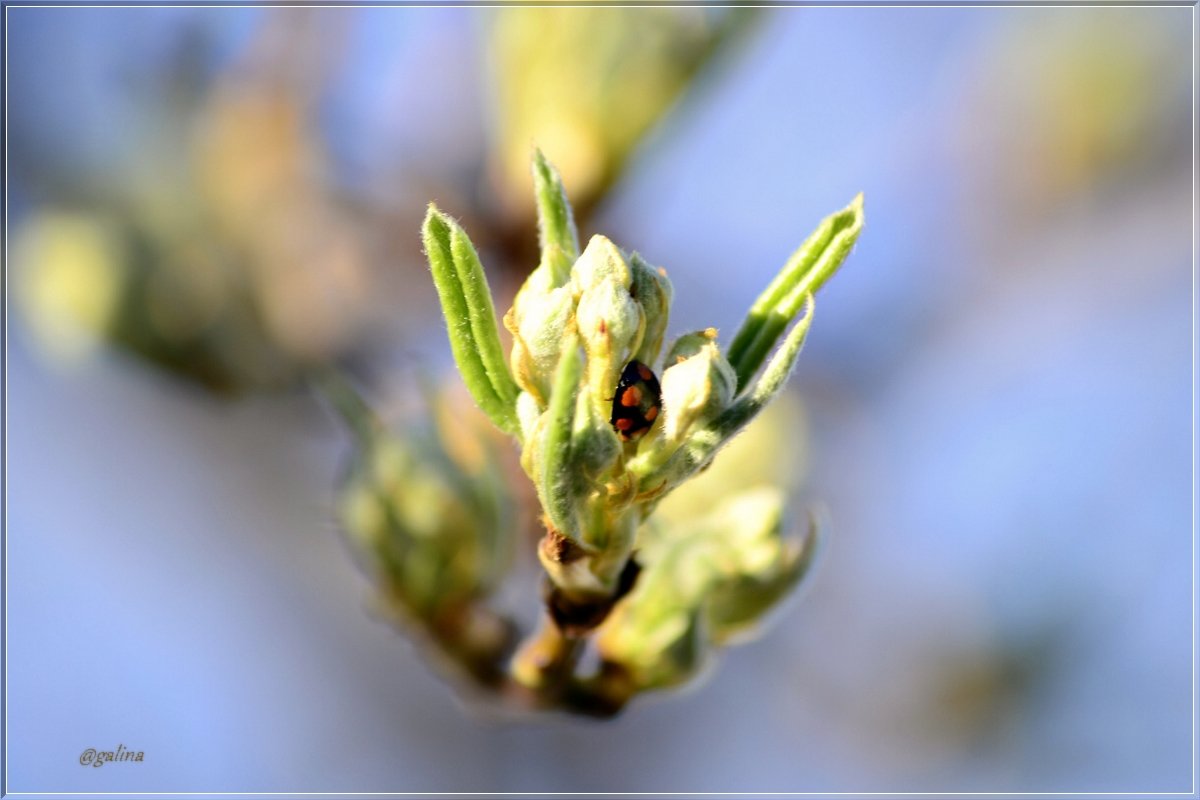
x=538, y=323
x=696, y=387
x=654, y=293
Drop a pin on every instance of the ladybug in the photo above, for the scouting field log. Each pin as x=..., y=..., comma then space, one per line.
x=636, y=401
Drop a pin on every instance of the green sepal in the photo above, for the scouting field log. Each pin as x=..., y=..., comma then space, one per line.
x=556, y=485
x=556, y=224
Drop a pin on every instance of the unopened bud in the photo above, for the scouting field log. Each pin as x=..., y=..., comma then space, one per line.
x=653, y=292
x=600, y=260
x=538, y=322
x=697, y=385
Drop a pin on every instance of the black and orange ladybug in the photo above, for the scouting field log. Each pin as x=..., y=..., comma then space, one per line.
x=636, y=401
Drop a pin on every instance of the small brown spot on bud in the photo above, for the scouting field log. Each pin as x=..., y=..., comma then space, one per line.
x=559, y=548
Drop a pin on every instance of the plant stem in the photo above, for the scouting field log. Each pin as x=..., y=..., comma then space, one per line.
x=546, y=661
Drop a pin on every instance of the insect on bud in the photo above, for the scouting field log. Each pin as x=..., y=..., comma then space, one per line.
x=610, y=321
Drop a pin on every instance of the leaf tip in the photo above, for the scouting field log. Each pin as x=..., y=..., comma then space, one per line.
x=855, y=212
x=435, y=225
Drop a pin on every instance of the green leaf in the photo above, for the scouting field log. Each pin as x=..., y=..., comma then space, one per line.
x=813, y=263
x=773, y=379
x=556, y=225
x=470, y=318
x=556, y=484
x=482, y=314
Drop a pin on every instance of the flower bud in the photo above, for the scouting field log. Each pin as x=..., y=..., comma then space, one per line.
x=653, y=292
x=610, y=321
x=697, y=384
x=538, y=322
x=688, y=345
x=759, y=565
x=705, y=582
x=655, y=636
x=594, y=445
x=656, y=652
x=601, y=259
x=429, y=529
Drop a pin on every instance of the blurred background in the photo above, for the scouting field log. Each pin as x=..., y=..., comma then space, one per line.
x=205, y=204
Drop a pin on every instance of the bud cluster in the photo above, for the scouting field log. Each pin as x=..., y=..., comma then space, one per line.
x=610, y=417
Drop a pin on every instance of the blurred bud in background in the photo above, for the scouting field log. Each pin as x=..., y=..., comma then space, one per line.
x=244, y=256
x=71, y=282
x=771, y=450
x=587, y=84
x=428, y=512
x=1086, y=106
x=724, y=551
x=222, y=253
x=707, y=581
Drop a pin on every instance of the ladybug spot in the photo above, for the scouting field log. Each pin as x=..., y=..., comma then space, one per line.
x=636, y=401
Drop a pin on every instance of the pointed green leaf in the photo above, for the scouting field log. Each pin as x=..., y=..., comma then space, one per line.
x=482, y=314
x=556, y=224
x=470, y=318
x=773, y=379
x=813, y=263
